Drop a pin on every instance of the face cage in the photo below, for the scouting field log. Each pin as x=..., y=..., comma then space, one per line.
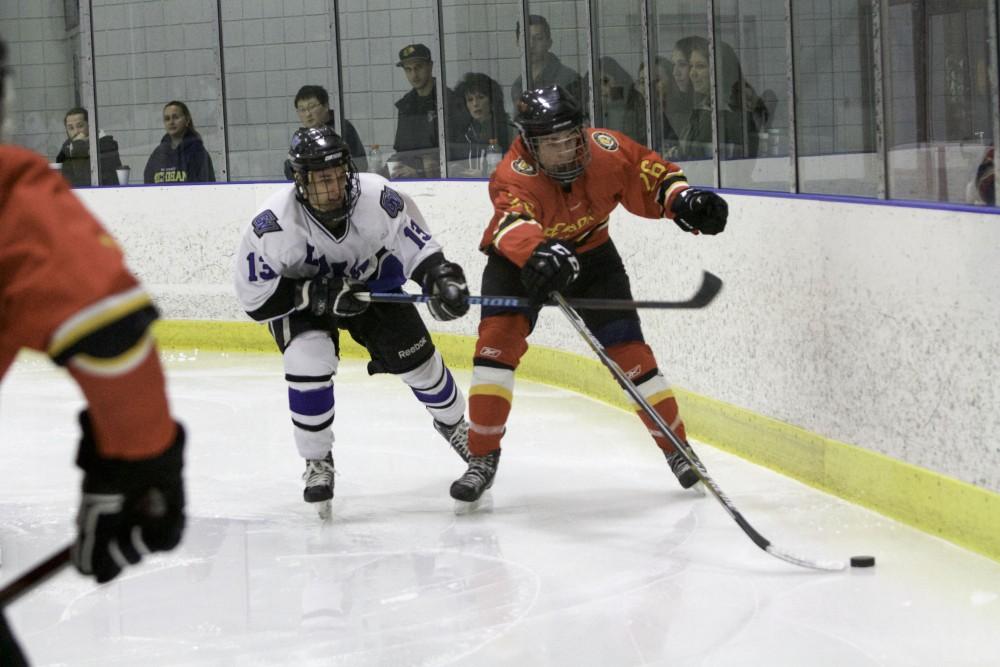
x=351, y=195
x=569, y=171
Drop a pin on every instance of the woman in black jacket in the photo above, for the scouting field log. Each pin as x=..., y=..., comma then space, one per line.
x=181, y=156
x=487, y=120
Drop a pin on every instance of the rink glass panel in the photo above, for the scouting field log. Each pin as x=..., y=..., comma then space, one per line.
x=922, y=70
x=271, y=50
x=938, y=99
x=146, y=54
x=479, y=37
x=835, y=98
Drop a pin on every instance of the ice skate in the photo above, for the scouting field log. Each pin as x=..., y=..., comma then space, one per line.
x=683, y=470
x=319, y=484
x=457, y=436
x=469, y=487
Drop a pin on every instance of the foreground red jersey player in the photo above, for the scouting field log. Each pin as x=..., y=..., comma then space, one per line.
x=552, y=196
x=65, y=291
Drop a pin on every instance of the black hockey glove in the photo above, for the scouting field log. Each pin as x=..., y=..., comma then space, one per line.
x=332, y=296
x=700, y=211
x=129, y=508
x=551, y=268
x=446, y=282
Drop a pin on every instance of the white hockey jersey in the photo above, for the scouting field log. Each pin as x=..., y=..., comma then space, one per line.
x=385, y=240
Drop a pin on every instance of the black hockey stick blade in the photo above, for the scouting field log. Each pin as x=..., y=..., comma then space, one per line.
x=711, y=285
x=35, y=576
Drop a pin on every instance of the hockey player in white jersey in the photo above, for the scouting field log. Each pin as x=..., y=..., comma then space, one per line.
x=306, y=256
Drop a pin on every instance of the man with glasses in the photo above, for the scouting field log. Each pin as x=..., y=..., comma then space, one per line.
x=312, y=104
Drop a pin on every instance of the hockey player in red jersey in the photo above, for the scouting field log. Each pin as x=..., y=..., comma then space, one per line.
x=65, y=291
x=552, y=196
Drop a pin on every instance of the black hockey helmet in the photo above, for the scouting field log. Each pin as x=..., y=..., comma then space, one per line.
x=316, y=149
x=552, y=110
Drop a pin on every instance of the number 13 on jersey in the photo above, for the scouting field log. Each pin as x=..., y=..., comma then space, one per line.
x=264, y=272
x=416, y=234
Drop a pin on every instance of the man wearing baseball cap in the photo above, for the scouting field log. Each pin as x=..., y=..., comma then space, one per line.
x=416, y=142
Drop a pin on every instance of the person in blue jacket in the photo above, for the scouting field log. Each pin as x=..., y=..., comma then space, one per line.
x=181, y=156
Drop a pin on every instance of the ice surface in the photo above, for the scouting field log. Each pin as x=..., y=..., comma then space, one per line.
x=587, y=553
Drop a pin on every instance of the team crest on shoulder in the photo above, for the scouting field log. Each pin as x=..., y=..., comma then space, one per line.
x=605, y=141
x=265, y=222
x=391, y=202
x=522, y=167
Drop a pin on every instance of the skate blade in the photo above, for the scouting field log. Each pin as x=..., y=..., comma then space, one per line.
x=483, y=504
x=325, y=509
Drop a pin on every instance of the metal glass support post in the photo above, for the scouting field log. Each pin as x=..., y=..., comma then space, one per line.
x=880, y=15
x=793, y=148
x=592, y=36
x=338, y=79
x=648, y=46
x=717, y=166
x=219, y=63
x=88, y=78
x=440, y=88
x=523, y=40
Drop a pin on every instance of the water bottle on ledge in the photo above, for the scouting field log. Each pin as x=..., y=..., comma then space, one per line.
x=375, y=161
x=493, y=157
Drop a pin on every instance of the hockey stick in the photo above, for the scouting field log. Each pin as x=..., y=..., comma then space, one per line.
x=727, y=504
x=711, y=285
x=35, y=576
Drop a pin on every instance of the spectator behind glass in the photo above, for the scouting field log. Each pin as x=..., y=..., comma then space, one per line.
x=487, y=120
x=74, y=156
x=737, y=128
x=416, y=142
x=312, y=104
x=984, y=184
x=674, y=90
x=617, y=95
x=544, y=68
x=636, y=106
x=181, y=156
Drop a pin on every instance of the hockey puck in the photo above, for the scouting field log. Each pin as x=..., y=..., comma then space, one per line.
x=862, y=561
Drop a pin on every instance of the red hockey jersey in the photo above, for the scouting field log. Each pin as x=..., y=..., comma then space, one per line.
x=530, y=207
